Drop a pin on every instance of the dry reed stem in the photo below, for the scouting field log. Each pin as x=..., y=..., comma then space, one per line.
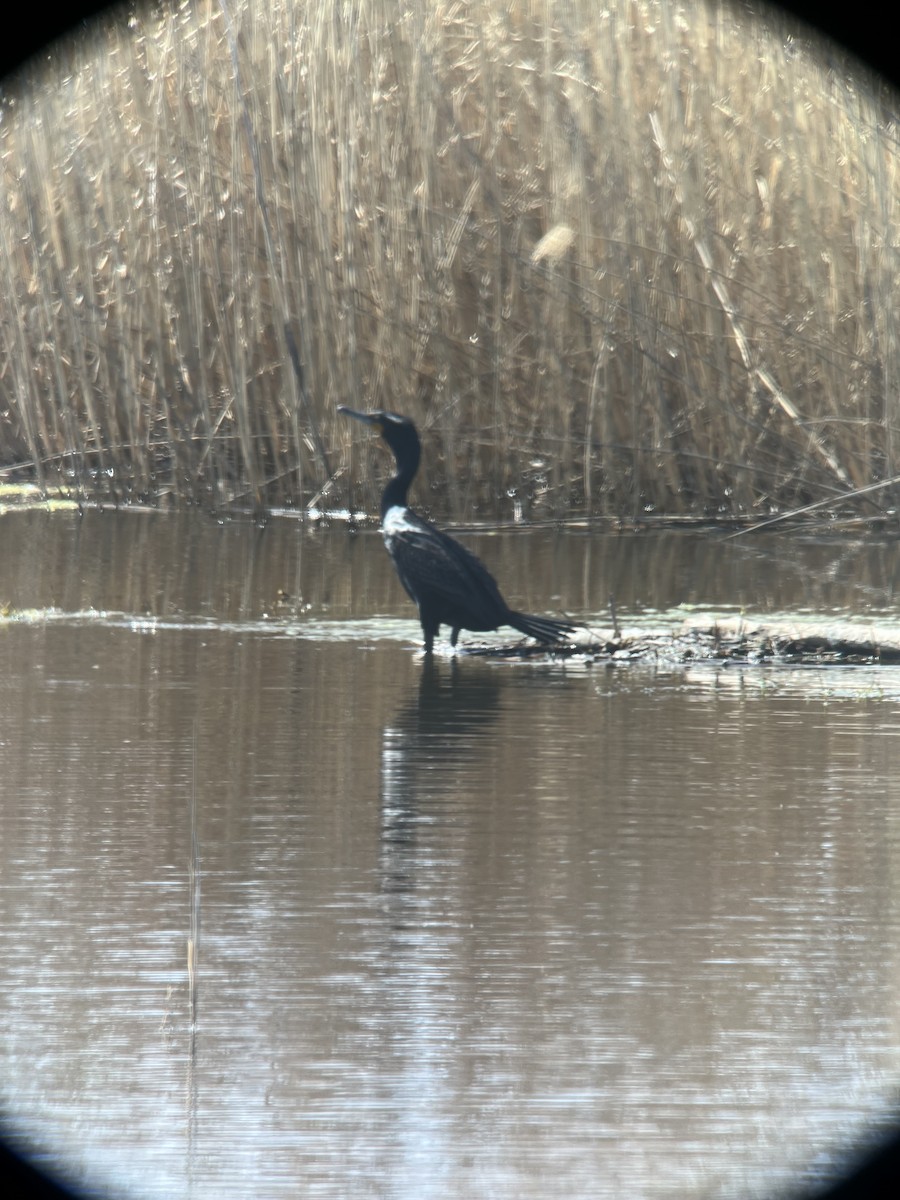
x=465, y=211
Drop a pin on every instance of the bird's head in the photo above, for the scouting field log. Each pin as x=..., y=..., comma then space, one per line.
x=399, y=432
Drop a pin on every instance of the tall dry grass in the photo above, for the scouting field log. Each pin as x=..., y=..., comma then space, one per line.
x=621, y=260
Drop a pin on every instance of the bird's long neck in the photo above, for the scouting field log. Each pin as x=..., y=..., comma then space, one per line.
x=395, y=492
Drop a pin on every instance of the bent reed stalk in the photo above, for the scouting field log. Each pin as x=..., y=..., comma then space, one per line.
x=620, y=262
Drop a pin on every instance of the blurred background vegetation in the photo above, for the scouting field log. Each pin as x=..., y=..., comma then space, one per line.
x=635, y=260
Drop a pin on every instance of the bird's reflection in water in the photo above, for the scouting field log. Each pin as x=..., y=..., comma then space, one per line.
x=431, y=756
x=437, y=754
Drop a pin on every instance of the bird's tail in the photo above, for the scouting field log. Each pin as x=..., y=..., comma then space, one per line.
x=545, y=629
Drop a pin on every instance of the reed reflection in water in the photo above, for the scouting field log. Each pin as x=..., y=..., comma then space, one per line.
x=466, y=928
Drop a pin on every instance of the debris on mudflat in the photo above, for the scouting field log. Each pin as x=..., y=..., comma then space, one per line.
x=729, y=641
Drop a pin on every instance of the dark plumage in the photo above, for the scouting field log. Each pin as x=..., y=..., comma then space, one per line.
x=449, y=585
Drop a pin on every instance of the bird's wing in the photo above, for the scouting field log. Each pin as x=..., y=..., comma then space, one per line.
x=426, y=558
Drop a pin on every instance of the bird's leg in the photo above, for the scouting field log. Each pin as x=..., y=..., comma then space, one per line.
x=454, y=634
x=428, y=632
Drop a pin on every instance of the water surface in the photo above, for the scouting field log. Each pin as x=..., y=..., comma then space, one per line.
x=466, y=928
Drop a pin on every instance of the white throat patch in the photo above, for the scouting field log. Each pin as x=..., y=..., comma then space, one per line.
x=396, y=520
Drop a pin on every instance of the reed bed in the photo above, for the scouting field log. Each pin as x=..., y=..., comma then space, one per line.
x=628, y=261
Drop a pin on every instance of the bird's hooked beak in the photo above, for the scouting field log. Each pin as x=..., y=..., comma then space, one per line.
x=369, y=418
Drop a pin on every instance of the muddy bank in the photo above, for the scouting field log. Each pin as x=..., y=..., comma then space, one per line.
x=737, y=641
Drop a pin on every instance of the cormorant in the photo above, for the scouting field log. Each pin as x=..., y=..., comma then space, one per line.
x=449, y=585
